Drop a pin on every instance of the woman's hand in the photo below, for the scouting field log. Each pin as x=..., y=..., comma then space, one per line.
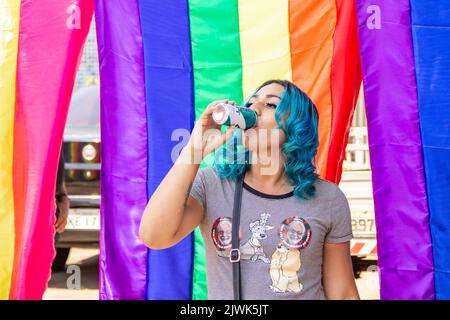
x=61, y=222
x=206, y=136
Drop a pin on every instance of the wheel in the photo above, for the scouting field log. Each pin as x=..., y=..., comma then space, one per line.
x=59, y=263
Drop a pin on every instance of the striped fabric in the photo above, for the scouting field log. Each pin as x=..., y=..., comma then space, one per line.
x=406, y=62
x=162, y=63
x=430, y=23
x=183, y=55
x=35, y=37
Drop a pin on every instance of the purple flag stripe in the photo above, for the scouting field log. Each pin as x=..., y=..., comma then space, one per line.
x=403, y=230
x=123, y=257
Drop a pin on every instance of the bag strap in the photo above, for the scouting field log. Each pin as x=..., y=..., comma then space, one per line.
x=235, y=253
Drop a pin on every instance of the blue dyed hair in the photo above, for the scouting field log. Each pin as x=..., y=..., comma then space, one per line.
x=299, y=150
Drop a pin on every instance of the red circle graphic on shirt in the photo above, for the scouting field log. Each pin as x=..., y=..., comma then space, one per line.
x=295, y=233
x=221, y=233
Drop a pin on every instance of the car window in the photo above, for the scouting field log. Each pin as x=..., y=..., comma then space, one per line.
x=84, y=111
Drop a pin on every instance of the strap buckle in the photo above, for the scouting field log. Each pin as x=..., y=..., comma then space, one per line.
x=235, y=255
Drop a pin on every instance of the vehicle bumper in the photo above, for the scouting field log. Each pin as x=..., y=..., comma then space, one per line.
x=364, y=248
x=83, y=226
x=79, y=238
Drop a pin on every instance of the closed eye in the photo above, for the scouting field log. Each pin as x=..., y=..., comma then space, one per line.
x=270, y=105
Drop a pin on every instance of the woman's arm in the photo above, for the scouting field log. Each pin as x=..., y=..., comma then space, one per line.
x=338, y=279
x=171, y=214
x=171, y=207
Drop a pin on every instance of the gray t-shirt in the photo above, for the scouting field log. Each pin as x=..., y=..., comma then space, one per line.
x=281, y=238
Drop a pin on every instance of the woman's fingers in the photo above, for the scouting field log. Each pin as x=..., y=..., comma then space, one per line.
x=216, y=102
x=213, y=106
x=206, y=119
x=207, y=133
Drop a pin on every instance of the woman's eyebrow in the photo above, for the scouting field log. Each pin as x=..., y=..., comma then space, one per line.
x=267, y=96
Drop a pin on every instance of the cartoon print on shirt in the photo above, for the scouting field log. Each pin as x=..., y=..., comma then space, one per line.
x=221, y=235
x=285, y=263
x=253, y=249
x=283, y=270
x=295, y=235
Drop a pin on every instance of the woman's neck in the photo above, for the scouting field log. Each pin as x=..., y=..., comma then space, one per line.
x=266, y=174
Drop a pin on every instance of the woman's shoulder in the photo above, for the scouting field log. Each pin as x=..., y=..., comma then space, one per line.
x=208, y=173
x=213, y=183
x=210, y=176
x=325, y=188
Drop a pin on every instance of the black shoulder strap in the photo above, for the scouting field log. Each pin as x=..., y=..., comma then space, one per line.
x=235, y=254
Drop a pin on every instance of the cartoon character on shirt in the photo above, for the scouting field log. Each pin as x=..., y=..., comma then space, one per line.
x=295, y=235
x=252, y=249
x=283, y=270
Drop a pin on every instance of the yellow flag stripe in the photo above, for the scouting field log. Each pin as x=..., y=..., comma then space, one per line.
x=9, y=38
x=265, y=42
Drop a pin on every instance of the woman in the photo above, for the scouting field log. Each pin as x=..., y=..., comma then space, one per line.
x=295, y=227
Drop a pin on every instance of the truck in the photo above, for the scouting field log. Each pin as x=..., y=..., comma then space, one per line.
x=356, y=183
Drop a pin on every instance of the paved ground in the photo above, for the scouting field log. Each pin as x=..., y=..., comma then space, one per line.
x=58, y=287
x=87, y=260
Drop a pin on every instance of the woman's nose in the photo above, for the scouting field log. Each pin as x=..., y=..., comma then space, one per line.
x=256, y=106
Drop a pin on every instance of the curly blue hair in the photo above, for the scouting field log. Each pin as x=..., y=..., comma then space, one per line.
x=298, y=151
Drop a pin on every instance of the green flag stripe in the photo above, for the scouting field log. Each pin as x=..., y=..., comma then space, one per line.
x=217, y=63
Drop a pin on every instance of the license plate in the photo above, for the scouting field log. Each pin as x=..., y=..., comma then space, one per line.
x=84, y=219
x=363, y=225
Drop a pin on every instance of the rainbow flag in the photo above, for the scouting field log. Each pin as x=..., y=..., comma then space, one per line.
x=406, y=62
x=161, y=63
x=40, y=48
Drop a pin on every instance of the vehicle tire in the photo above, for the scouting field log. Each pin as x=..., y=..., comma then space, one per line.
x=59, y=263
